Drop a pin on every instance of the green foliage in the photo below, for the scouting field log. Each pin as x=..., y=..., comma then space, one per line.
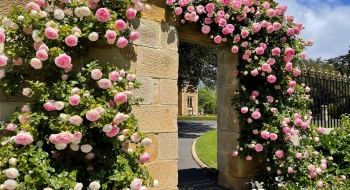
x=207, y=100
x=341, y=63
x=206, y=148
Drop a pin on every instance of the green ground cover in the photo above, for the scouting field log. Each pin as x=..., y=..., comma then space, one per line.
x=206, y=148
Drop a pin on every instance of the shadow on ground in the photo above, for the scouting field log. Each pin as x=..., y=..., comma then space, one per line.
x=193, y=174
x=193, y=129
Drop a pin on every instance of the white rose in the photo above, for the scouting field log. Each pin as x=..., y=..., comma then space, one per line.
x=74, y=147
x=6, y=21
x=107, y=128
x=47, y=188
x=78, y=12
x=146, y=141
x=59, y=14
x=12, y=161
x=36, y=36
x=121, y=138
x=64, y=117
x=10, y=184
x=76, y=141
x=155, y=183
x=78, y=186
x=93, y=36
x=94, y=185
x=86, y=148
x=36, y=63
x=40, y=143
x=43, y=14
x=12, y=173
x=2, y=187
x=59, y=105
x=85, y=11
x=60, y=146
x=34, y=12
x=20, y=18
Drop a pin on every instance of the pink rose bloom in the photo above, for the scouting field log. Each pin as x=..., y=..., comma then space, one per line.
x=122, y=42
x=78, y=135
x=249, y=120
x=11, y=127
x=298, y=122
x=26, y=91
x=92, y=5
x=23, y=118
x=266, y=67
x=114, y=76
x=256, y=27
x=32, y=6
x=271, y=79
x=255, y=131
x=244, y=110
x=290, y=91
x=296, y=72
x=41, y=3
x=270, y=13
x=71, y=40
x=92, y=115
x=2, y=37
x=178, y=10
x=290, y=31
x=273, y=136
x=94, y=185
x=289, y=52
x=255, y=93
x=290, y=170
x=205, y=29
x=254, y=72
x=276, y=26
x=135, y=138
x=244, y=33
x=237, y=38
x=86, y=148
x=269, y=99
x=120, y=98
x=49, y=106
x=96, y=74
x=323, y=166
x=74, y=100
x=42, y=55
x=276, y=51
x=321, y=130
x=259, y=50
x=271, y=61
x=17, y=61
x=234, y=73
x=144, y=158
x=279, y=153
x=120, y=25
x=234, y=49
x=292, y=84
x=316, y=139
x=169, y=2
x=36, y=63
x=90, y=156
x=25, y=109
x=319, y=184
x=248, y=158
x=259, y=147
x=23, y=138
x=51, y=33
x=11, y=173
x=234, y=153
x=270, y=29
x=256, y=115
x=265, y=135
x=302, y=55
x=134, y=35
x=222, y=22
x=136, y=184
x=63, y=61
x=289, y=66
x=218, y=39
x=299, y=155
x=283, y=39
x=64, y=138
x=111, y=36
x=266, y=5
x=130, y=13
x=104, y=83
x=102, y=15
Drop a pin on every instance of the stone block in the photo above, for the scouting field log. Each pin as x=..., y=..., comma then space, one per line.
x=227, y=62
x=222, y=118
x=152, y=150
x=222, y=161
x=165, y=171
x=7, y=4
x=224, y=96
x=149, y=32
x=158, y=11
x=235, y=183
x=168, y=92
x=168, y=146
x=156, y=119
x=157, y=63
x=168, y=37
x=232, y=120
x=7, y=109
x=227, y=141
x=145, y=91
x=240, y=167
x=156, y=92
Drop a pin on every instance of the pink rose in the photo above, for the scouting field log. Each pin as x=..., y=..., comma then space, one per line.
x=292, y=84
x=17, y=61
x=266, y=5
x=32, y=6
x=234, y=49
x=11, y=127
x=244, y=110
x=289, y=52
x=144, y=158
x=11, y=173
x=104, y=83
x=255, y=131
x=248, y=158
x=63, y=61
x=2, y=37
x=134, y=35
x=74, y=100
x=255, y=93
x=122, y=42
x=102, y=15
x=130, y=13
x=290, y=170
x=289, y=66
x=178, y=10
x=64, y=138
x=114, y=76
x=276, y=26
x=23, y=138
x=296, y=72
x=49, y=106
x=269, y=99
x=115, y=130
x=42, y=55
x=321, y=130
x=270, y=13
x=92, y=5
x=266, y=67
x=96, y=74
x=218, y=39
x=90, y=156
x=92, y=115
x=120, y=25
x=279, y=153
x=71, y=40
x=319, y=184
x=302, y=55
x=271, y=79
x=111, y=36
x=51, y=33
x=234, y=153
x=136, y=184
x=26, y=91
x=256, y=27
x=290, y=91
x=36, y=63
x=276, y=51
x=259, y=50
x=299, y=155
x=86, y=148
x=237, y=38
x=249, y=120
x=273, y=136
x=120, y=98
x=254, y=72
x=290, y=31
x=256, y=115
x=235, y=73
x=259, y=147
x=205, y=29
x=265, y=135
x=244, y=33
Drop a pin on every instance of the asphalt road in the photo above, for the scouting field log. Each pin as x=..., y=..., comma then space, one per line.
x=188, y=131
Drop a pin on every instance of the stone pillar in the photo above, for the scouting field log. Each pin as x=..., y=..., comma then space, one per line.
x=234, y=171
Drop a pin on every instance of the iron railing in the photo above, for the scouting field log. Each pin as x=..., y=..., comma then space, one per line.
x=330, y=94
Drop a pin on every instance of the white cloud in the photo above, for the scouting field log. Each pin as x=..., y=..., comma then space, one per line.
x=326, y=22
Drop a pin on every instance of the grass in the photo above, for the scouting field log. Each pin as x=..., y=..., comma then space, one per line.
x=212, y=118
x=206, y=148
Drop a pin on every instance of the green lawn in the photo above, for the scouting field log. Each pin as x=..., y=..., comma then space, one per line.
x=206, y=148
x=210, y=117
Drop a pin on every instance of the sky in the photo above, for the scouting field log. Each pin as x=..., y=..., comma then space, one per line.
x=327, y=23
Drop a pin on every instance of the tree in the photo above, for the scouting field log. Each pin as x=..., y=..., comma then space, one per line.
x=316, y=64
x=207, y=100
x=197, y=63
x=341, y=63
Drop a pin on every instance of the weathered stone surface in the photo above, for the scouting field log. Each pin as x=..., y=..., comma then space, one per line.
x=7, y=109
x=232, y=120
x=222, y=118
x=149, y=32
x=7, y=4
x=158, y=11
x=224, y=96
x=168, y=92
x=168, y=37
x=240, y=167
x=165, y=171
x=168, y=146
x=227, y=141
x=156, y=92
x=227, y=62
x=157, y=63
x=222, y=161
x=145, y=91
x=235, y=183
x=152, y=150
x=156, y=119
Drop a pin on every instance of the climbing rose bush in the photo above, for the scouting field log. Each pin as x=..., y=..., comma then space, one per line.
x=272, y=108
x=77, y=132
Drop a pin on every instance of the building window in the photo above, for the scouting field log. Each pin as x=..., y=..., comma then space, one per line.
x=190, y=102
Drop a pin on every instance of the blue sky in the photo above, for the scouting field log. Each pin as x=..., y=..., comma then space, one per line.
x=327, y=23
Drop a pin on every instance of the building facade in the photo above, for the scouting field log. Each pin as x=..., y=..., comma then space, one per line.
x=187, y=102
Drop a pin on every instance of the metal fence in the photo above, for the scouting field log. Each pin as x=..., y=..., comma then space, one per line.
x=330, y=94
